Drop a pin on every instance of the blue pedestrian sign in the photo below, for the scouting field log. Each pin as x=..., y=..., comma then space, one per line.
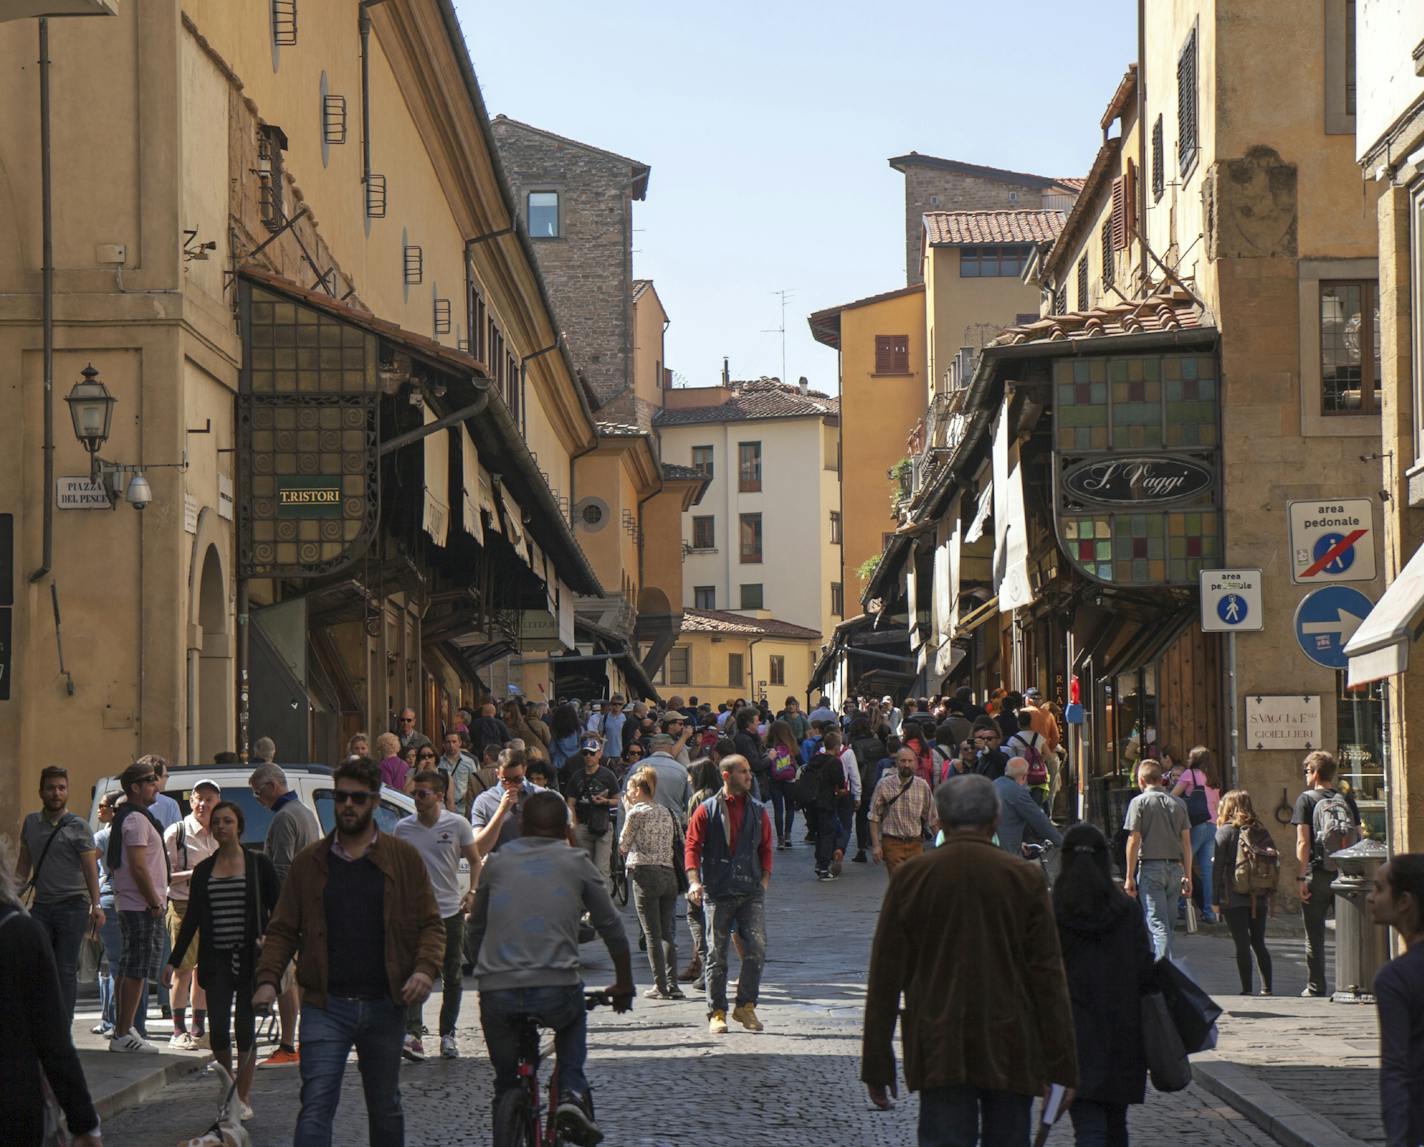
x=1326, y=619
x=1232, y=609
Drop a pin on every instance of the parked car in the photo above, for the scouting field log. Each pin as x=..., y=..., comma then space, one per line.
x=311, y=783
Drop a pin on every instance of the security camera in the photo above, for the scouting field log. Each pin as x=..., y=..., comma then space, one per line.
x=140, y=493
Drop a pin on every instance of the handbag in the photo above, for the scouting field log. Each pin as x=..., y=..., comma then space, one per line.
x=1192, y=1011
x=1162, y=1046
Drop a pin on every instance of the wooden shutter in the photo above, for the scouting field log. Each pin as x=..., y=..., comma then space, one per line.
x=1129, y=195
x=1187, y=103
x=1083, y=283
x=892, y=354
x=1119, y=217
x=1159, y=180
x=1109, y=239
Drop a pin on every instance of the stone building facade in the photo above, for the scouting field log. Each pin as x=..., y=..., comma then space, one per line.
x=582, y=201
x=934, y=184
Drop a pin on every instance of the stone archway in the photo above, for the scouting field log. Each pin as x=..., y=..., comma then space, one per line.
x=211, y=717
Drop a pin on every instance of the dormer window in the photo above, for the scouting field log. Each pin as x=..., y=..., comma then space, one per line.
x=543, y=214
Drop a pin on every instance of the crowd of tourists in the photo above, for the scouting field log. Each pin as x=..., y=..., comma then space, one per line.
x=526, y=813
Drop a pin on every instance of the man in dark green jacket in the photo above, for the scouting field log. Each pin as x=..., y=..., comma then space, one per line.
x=967, y=935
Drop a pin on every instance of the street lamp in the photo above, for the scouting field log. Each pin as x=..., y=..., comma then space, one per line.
x=91, y=409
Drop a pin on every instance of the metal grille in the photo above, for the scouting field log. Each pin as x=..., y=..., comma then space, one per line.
x=442, y=316
x=333, y=119
x=284, y=22
x=376, y=196
x=414, y=265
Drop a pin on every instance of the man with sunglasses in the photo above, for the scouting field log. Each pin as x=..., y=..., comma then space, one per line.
x=441, y=837
x=407, y=732
x=140, y=875
x=990, y=760
x=293, y=827
x=457, y=765
x=495, y=814
x=359, y=913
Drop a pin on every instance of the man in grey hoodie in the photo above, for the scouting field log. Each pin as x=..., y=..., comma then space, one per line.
x=532, y=893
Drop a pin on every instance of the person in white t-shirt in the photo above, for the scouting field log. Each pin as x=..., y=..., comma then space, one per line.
x=442, y=838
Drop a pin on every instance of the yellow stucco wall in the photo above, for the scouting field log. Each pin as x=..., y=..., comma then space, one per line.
x=649, y=355
x=877, y=415
x=708, y=662
x=966, y=312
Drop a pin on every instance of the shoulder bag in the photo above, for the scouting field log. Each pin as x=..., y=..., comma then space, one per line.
x=679, y=867
x=27, y=894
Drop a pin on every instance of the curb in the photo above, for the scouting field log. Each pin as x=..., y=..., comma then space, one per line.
x=142, y=1089
x=1283, y=1119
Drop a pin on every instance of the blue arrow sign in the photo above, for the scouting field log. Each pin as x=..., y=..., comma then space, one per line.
x=1326, y=619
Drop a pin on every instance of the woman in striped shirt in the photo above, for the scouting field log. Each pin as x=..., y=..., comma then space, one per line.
x=232, y=896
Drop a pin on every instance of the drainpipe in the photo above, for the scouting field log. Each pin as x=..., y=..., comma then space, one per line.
x=751, y=669
x=47, y=295
x=1143, y=175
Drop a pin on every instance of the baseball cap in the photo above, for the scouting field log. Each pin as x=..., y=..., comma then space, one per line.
x=208, y=783
x=591, y=744
x=1032, y=691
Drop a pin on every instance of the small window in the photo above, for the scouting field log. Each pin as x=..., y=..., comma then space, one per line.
x=1187, y=141
x=752, y=597
x=749, y=467
x=750, y=548
x=1083, y=283
x=835, y=527
x=736, y=674
x=677, y=667
x=1159, y=179
x=704, y=597
x=592, y=514
x=837, y=599
x=702, y=460
x=704, y=533
x=777, y=669
x=544, y=214
x=992, y=262
x=892, y=354
x=1349, y=347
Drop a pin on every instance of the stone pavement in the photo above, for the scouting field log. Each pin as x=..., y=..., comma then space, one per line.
x=661, y=1080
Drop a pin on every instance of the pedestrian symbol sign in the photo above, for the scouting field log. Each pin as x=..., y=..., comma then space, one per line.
x=1332, y=541
x=1230, y=601
x=1326, y=619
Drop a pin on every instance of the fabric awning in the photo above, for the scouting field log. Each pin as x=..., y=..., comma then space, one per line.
x=470, y=488
x=1380, y=647
x=981, y=516
x=435, y=515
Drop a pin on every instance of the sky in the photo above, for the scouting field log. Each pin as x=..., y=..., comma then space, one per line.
x=768, y=124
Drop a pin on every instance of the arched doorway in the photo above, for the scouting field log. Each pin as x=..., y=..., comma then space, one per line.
x=211, y=704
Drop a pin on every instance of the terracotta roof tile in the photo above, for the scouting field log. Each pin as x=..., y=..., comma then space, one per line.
x=968, y=228
x=682, y=473
x=1173, y=309
x=724, y=621
x=759, y=398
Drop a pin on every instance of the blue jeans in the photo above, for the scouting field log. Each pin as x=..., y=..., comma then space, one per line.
x=375, y=1028
x=783, y=809
x=1159, y=884
x=1203, y=852
x=950, y=1117
x=748, y=913
x=845, y=814
x=560, y=1007
x=64, y=923
x=1098, y=1124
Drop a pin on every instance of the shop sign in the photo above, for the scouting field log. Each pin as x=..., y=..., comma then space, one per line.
x=308, y=497
x=1138, y=481
x=1283, y=722
x=538, y=631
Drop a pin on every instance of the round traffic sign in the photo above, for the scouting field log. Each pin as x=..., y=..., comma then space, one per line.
x=1326, y=619
x=1232, y=609
x=1341, y=561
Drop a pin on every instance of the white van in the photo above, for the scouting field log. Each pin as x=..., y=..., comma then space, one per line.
x=311, y=783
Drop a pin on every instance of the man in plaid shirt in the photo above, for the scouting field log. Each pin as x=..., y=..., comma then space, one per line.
x=902, y=811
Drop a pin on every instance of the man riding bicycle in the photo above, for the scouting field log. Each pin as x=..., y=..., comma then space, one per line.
x=531, y=896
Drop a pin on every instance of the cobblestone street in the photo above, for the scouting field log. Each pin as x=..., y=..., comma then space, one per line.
x=661, y=1080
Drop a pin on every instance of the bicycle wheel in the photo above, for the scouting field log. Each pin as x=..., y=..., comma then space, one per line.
x=515, y=1123
x=618, y=879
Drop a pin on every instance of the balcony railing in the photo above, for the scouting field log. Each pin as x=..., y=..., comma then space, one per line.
x=939, y=434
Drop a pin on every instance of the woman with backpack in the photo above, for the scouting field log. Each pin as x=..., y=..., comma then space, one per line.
x=1107, y=956
x=1245, y=856
x=1197, y=786
x=783, y=754
x=565, y=736
x=869, y=749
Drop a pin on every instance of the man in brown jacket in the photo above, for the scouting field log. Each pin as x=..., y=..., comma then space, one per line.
x=358, y=910
x=967, y=934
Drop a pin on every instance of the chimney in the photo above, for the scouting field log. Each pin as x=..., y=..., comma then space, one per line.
x=726, y=371
x=801, y=384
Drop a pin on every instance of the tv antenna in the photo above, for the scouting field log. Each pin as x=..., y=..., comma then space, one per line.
x=783, y=295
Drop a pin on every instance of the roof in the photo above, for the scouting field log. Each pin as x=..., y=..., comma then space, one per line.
x=1105, y=167
x=618, y=430
x=1122, y=98
x=1073, y=183
x=1173, y=308
x=915, y=159
x=640, y=170
x=761, y=398
x=723, y=621
x=970, y=228
x=678, y=473
x=826, y=323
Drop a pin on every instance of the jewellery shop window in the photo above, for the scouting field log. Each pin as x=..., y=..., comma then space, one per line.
x=1362, y=730
x=1136, y=718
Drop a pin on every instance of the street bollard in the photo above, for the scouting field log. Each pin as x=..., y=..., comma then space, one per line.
x=1361, y=946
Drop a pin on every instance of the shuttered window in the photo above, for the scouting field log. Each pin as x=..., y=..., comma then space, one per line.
x=1083, y=283
x=1159, y=179
x=1109, y=234
x=1060, y=300
x=892, y=354
x=1187, y=141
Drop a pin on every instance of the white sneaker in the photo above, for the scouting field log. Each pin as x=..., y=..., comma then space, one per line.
x=182, y=1041
x=244, y=1112
x=132, y=1043
x=449, y=1049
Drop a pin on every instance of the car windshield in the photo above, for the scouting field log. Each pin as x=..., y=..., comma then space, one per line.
x=255, y=817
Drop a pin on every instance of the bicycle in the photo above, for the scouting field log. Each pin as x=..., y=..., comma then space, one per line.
x=617, y=874
x=1039, y=852
x=521, y=1118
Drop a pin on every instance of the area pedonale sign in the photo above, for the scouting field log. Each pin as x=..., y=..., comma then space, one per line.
x=1137, y=480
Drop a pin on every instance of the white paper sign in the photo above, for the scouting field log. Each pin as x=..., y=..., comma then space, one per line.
x=225, y=497
x=190, y=513
x=79, y=494
x=1282, y=722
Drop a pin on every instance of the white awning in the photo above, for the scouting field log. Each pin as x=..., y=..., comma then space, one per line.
x=435, y=517
x=1380, y=647
x=981, y=516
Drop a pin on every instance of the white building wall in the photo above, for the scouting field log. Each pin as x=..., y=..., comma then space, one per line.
x=1386, y=33
x=795, y=502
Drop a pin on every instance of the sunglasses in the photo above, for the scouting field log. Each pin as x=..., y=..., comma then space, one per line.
x=422, y=793
x=407, y=720
x=634, y=754
x=148, y=780
x=346, y=796
x=425, y=757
